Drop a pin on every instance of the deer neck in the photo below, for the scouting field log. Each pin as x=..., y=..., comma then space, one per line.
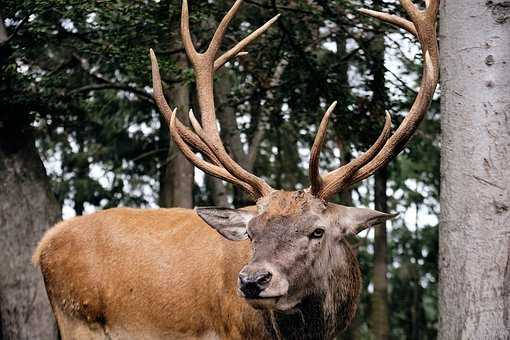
x=325, y=312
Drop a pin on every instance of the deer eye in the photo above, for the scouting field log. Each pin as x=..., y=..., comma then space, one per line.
x=317, y=233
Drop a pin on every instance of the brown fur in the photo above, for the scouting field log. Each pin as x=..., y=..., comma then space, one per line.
x=166, y=274
x=290, y=203
x=121, y=270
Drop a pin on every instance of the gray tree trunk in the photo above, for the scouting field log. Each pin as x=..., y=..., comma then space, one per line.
x=218, y=191
x=27, y=209
x=380, y=315
x=230, y=133
x=177, y=178
x=176, y=184
x=231, y=137
x=474, y=237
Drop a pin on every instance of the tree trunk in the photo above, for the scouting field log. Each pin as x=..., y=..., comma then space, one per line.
x=474, y=236
x=176, y=184
x=217, y=191
x=230, y=133
x=27, y=209
x=177, y=178
x=379, y=317
x=344, y=197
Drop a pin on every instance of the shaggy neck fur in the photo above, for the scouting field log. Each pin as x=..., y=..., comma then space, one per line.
x=326, y=310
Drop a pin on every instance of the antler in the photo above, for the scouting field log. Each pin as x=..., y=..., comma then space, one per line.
x=206, y=138
x=423, y=26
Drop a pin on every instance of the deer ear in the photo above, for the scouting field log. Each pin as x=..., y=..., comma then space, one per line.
x=355, y=220
x=230, y=223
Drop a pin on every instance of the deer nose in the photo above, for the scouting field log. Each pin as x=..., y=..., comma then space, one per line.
x=251, y=284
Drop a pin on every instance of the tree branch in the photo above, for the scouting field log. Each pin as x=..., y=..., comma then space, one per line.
x=123, y=87
x=254, y=144
x=5, y=40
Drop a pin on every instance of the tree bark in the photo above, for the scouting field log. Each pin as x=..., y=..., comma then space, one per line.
x=379, y=317
x=217, y=190
x=176, y=184
x=177, y=178
x=27, y=210
x=344, y=197
x=474, y=235
x=230, y=134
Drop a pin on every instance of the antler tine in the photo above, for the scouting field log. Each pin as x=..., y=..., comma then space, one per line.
x=196, y=125
x=313, y=169
x=340, y=179
x=157, y=87
x=227, y=162
x=236, y=50
x=411, y=9
x=406, y=129
x=432, y=7
x=423, y=26
x=391, y=19
x=209, y=168
x=192, y=139
x=217, y=38
x=188, y=135
x=336, y=180
x=187, y=41
x=205, y=66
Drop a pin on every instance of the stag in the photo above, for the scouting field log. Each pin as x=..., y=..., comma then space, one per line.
x=165, y=274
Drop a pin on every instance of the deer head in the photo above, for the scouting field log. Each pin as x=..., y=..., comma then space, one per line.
x=296, y=235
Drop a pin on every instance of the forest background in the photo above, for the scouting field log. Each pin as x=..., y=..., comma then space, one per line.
x=79, y=130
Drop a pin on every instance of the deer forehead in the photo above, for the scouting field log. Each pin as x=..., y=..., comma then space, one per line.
x=277, y=226
x=290, y=203
x=284, y=213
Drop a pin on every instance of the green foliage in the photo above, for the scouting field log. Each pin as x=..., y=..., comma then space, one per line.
x=81, y=71
x=82, y=68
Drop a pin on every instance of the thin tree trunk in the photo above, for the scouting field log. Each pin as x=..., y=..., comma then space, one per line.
x=81, y=173
x=176, y=184
x=417, y=311
x=177, y=178
x=230, y=134
x=379, y=317
x=345, y=197
x=217, y=191
x=474, y=235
